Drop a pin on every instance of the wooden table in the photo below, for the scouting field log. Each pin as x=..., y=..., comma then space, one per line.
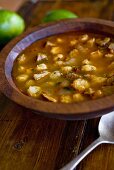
x=11, y=5
x=32, y=142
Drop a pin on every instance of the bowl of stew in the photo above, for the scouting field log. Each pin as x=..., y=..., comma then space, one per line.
x=63, y=70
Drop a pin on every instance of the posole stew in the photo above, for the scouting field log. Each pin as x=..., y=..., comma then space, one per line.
x=67, y=68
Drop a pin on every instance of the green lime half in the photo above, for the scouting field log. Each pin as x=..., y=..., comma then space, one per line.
x=11, y=25
x=59, y=14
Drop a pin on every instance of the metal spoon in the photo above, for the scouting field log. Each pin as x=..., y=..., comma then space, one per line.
x=106, y=132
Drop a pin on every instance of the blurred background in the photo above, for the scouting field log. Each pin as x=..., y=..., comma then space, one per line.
x=12, y=5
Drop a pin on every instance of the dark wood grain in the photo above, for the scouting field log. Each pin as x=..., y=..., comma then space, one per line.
x=32, y=142
x=83, y=8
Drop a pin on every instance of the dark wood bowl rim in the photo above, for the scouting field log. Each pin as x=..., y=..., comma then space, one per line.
x=84, y=110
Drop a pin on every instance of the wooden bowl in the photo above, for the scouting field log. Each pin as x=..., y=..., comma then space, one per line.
x=84, y=110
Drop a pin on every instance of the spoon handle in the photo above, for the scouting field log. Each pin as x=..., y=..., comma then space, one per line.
x=71, y=165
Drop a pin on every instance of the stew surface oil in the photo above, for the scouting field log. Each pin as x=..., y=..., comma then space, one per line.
x=67, y=68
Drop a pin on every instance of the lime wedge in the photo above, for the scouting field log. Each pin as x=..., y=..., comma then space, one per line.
x=59, y=14
x=11, y=25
